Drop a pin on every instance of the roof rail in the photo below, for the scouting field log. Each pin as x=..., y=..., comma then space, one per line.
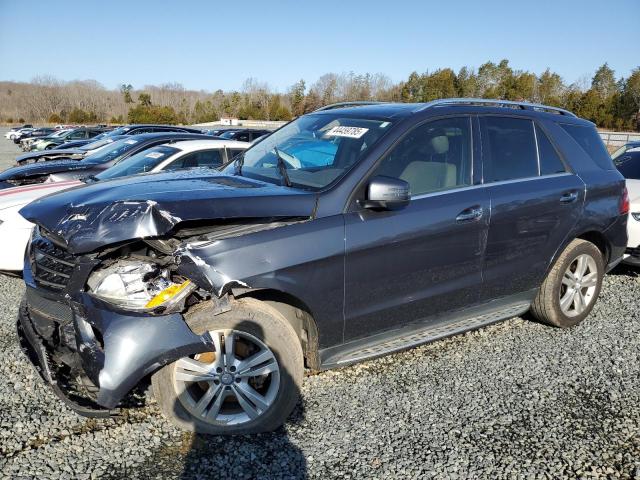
x=497, y=103
x=346, y=105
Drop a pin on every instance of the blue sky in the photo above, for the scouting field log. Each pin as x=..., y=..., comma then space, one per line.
x=209, y=45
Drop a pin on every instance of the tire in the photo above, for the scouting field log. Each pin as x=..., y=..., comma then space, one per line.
x=559, y=302
x=249, y=321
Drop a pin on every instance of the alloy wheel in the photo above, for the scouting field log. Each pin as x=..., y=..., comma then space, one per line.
x=579, y=284
x=234, y=384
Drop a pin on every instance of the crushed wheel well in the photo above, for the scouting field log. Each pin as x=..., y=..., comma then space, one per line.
x=297, y=314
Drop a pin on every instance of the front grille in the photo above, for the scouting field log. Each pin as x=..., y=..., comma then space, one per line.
x=52, y=265
x=50, y=309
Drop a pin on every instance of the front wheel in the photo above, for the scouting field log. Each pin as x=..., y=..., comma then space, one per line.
x=248, y=383
x=571, y=288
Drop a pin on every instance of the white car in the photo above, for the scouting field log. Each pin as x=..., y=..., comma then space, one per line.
x=15, y=230
x=627, y=161
x=13, y=134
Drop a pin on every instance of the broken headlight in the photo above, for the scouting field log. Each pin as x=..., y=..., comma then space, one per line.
x=142, y=286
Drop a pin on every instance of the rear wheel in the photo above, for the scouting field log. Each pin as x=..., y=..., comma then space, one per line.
x=572, y=286
x=248, y=383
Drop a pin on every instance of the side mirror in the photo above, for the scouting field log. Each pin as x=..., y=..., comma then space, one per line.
x=387, y=193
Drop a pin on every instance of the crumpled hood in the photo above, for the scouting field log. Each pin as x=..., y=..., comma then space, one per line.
x=48, y=154
x=36, y=169
x=151, y=205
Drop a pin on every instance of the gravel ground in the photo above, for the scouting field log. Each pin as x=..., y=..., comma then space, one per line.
x=517, y=399
x=8, y=150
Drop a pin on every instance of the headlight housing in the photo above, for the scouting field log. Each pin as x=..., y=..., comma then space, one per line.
x=140, y=286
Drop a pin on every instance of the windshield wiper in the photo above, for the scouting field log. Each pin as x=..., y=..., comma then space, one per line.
x=282, y=167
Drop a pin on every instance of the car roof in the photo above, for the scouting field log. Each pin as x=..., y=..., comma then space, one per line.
x=168, y=135
x=194, y=145
x=397, y=111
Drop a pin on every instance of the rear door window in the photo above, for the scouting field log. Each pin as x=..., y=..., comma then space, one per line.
x=590, y=141
x=509, y=148
x=205, y=158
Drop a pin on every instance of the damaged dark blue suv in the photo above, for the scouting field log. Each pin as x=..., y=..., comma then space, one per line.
x=351, y=232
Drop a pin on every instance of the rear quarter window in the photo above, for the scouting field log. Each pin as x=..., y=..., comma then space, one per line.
x=591, y=143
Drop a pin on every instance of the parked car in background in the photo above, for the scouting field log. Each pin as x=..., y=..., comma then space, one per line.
x=36, y=132
x=57, y=170
x=150, y=128
x=244, y=134
x=26, y=141
x=79, y=143
x=627, y=161
x=82, y=133
x=65, y=151
x=12, y=131
x=214, y=131
x=623, y=149
x=181, y=155
x=430, y=220
x=16, y=134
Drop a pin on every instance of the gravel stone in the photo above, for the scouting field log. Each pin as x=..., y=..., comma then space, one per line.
x=514, y=400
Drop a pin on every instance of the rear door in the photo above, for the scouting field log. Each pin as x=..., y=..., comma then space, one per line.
x=413, y=264
x=535, y=203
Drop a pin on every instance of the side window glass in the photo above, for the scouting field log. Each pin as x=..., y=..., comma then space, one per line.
x=176, y=164
x=208, y=158
x=590, y=141
x=550, y=162
x=509, y=149
x=432, y=157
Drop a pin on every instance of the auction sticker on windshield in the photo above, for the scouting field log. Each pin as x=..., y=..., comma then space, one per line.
x=154, y=155
x=350, y=132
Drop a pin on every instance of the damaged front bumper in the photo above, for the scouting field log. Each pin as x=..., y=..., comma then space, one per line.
x=115, y=350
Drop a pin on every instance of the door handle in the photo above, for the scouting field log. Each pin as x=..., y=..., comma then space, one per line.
x=469, y=214
x=569, y=197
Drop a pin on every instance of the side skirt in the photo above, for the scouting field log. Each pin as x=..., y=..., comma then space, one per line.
x=414, y=335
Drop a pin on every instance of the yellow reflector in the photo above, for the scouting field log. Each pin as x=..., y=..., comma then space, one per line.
x=167, y=294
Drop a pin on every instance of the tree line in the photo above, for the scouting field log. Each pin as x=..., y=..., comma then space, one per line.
x=609, y=101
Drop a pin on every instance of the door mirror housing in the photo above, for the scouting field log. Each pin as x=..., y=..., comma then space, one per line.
x=387, y=193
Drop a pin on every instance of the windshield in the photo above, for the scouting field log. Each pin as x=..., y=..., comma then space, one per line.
x=227, y=134
x=111, y=151
x=96, y=144
x=313, y=151
x=141, y=162
x=59, y=133
x=118, y=131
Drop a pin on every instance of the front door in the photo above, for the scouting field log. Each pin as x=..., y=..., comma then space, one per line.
x=411, y=265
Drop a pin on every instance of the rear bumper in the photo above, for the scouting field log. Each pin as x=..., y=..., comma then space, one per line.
x=617, y=239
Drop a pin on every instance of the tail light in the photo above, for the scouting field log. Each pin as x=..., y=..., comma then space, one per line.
x=624, y=202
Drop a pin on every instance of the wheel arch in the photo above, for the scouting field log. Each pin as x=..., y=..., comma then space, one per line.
x=297, y=313
x=599, y=240
x=590, y=235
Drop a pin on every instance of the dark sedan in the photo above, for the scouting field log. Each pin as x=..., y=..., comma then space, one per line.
x=69, y=169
